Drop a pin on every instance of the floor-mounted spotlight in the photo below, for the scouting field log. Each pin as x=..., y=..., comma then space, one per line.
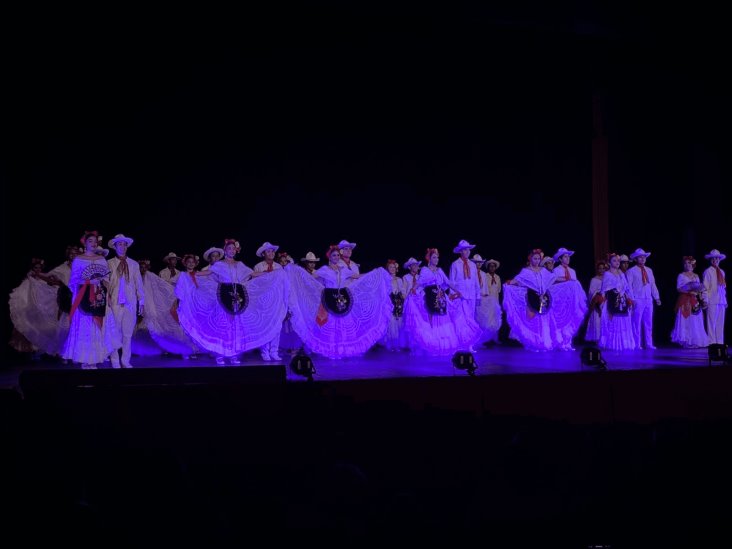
x=463, y=360
x=717, y=353
x=591, y=356
x=302, y=365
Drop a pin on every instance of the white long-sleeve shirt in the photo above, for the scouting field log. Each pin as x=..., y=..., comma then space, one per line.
x=168, y=277
x=465, y=283
x=716, y=292
x=263, y=267
x=561, y=272
x=122, y=291
x=637, y=288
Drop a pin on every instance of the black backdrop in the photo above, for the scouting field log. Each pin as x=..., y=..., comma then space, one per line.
x=397, y=128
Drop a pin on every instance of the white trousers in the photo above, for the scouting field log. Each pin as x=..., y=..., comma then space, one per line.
x=643, y=318
x=271, y=348
x=715, y=323
x=125, y=316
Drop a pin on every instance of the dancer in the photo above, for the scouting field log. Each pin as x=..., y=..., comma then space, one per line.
x=548, y=263
x=437, y=322
x=310, y=262
x=231, y=310
x=338, y=320
x=565, y=274
x=212, y=255
x=624, y=263
x=645, y=293
x=464, y=277
x=93, y=334
x=284, y=259
x=395, y=337
x=616, y=326
x=269, y=351
x=542, y=315
x=595, y=300
x=716, y=286
x=126, y=297
x=34, y=313
x=527, y=302
x=170, y=273
x=488, y=313
x=161, y=311
x=352, y=269
x=689, y=326
x=563, y=271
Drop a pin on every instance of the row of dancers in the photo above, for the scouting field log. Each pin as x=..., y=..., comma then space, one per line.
x=91, y=308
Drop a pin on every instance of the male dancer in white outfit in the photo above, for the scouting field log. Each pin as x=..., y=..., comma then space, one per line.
x=715, y=284
x=170, y=273
x=349, y=269
x=126, y=292
x=212, y=255
x=464, y=276
x=271, y=350
x=563, y=271
x=645, y=293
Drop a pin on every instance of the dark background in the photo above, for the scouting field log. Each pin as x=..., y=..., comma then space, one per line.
x=397, y=127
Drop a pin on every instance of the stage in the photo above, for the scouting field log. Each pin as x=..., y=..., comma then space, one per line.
x=641, y=386
x=535, y=449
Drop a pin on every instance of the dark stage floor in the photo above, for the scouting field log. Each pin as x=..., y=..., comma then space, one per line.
x=638, y=386
x=382, y=364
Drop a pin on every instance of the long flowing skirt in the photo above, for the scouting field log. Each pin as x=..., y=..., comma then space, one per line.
x=289, y=340
x=142, y=342
x=488, y=317
x=396, y=336
x=569, y=310
x=88, y=342
x=161, y=323
x=689, y=332
x=340, y=335
x=35, y=314
x=440, y=334
x=214, y=328
x=551, y=330
x=594, y=326
x=617, y=331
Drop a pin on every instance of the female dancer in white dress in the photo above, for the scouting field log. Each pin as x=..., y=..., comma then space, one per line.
x=488, y=312
x=595, y=300
x=334, y=319
x=411, y=284
x=527, y=301
x=395, y=339
x=34, y=312
x=93, y=334
x=143, y=343
x=570, y=313
x=616, y=327
x=161, y=312
x=436, y=321
x=543, y=315
x=60, y=279
x=230, y=310
x=689, y=329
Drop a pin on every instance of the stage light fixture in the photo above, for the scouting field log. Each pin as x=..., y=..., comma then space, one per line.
x=463, y=360
x=302, y=365
x=717, y=353
x=591, y=356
